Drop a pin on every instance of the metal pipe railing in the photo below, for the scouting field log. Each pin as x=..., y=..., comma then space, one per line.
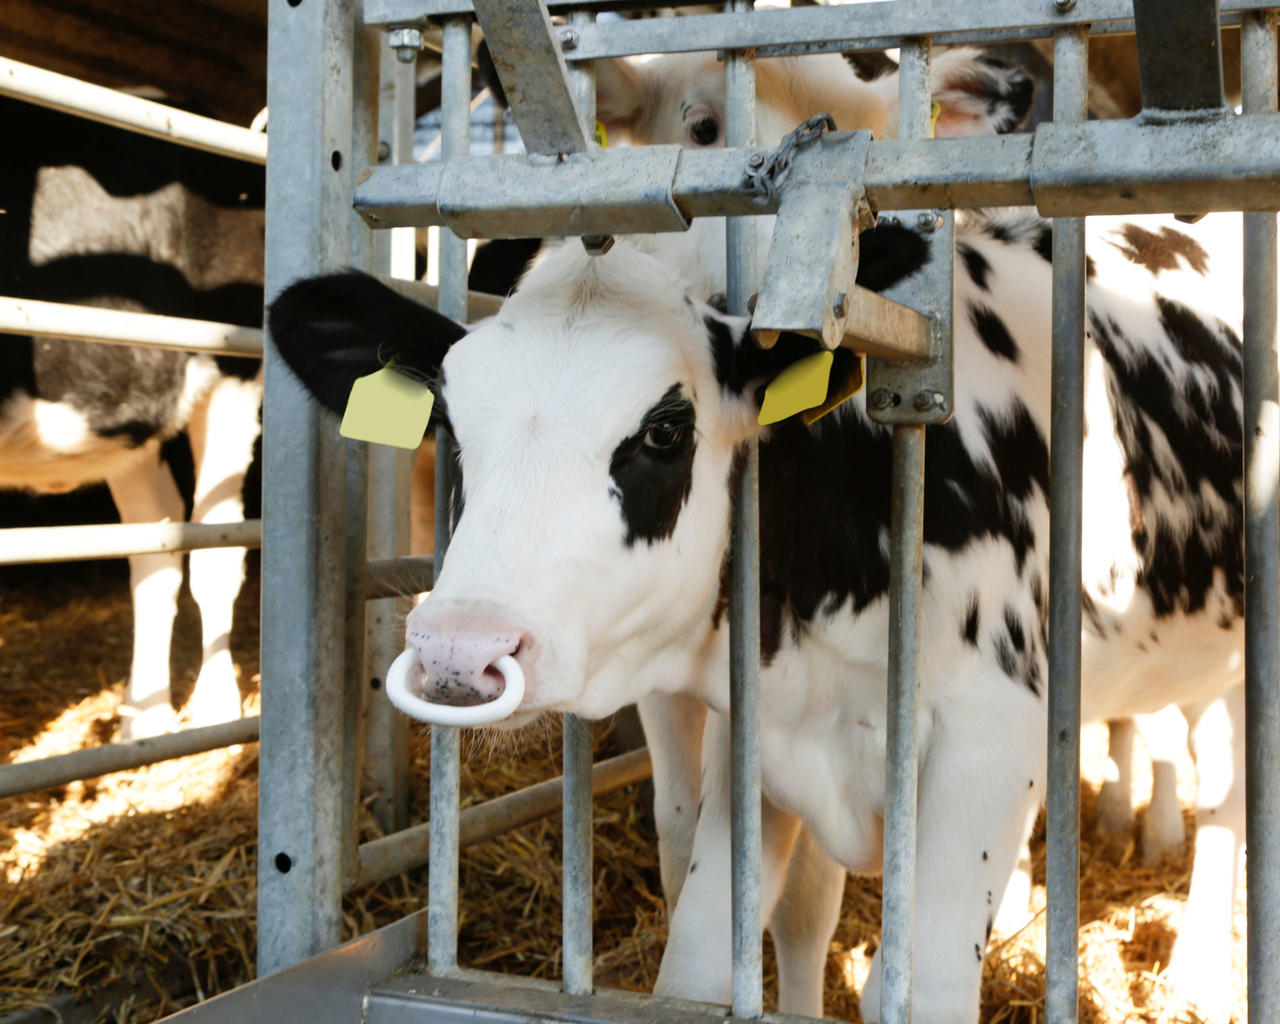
x=744, y=591
x=906, y=553
x=388, y=856
x=28, y=545
x=132, y=113
x=1262, y=550
x=30, y=776
x=118, y=327
x=1070, y=93
x=442, y=890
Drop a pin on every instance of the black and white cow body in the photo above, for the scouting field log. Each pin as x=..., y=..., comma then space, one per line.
x=98, y=217
x=598, y=418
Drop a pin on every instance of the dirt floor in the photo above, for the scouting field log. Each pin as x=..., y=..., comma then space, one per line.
x=136, y=891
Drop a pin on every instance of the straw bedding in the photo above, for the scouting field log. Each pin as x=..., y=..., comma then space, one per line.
x=136, y=891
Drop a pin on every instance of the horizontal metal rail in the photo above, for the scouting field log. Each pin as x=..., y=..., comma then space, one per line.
x=398, y=577
x=119, y=327
x=29, y=776
x=1099, y=167
x=132, y=113
x=815, y=29
x=389, y=856
x=28, y=545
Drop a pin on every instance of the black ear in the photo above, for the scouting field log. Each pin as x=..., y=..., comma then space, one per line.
x=333, y=329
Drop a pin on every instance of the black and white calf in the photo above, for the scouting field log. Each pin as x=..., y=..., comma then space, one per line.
x=96, y=216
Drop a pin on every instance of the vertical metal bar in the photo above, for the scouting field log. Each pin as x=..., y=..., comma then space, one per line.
x=906, y=562
x=300, y=809
x=1262, y=549
x=577, y=866
x=1070, y=93
x=442, y=892
x=744, y=590
x=386, y=733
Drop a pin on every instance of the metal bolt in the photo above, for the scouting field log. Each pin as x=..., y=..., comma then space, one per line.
x=406, y=42
x=887, y=221
x=1064, y=5
x=568, y=39
x=882, y=398
x=841, y=306
x=928, y=400
x=597, y=245
x=928, y=220
x=384, y=150
x=755, y=160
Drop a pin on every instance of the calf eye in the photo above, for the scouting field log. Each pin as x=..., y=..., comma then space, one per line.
x=705, y=131
x=664, y=436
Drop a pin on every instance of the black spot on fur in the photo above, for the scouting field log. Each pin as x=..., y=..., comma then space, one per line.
x=1013, y=626
x=976, y=264
x=970, y=629
x=887, y=254
x=993, y=332
x=652, y=483
x=1043, y=245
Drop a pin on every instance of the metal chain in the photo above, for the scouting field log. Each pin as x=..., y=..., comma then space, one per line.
x=764, y=178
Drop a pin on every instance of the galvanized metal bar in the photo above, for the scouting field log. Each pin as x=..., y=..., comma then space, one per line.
x=1262, y=550
x=1179, y=55
x=1062, y=867
x=389, y=856
x=132, y=113
x=1065, y=169
x=906, y=564
x=396, y=577
x=813, y=29
x=29, y=545
x=30, y=776
x=576, y=874
x=118, y=327
x=442, y=891
x=386, y=733
x=744, y=590
x=528, y=59
x=301, y=803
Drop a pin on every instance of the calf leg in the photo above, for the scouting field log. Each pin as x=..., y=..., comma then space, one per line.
x=1165, y=736
x=673, y=730
x=698, y=960
x=145, y=493
x=222, y=430
x=1015, y=905
x=1115, y=800
x=802, y=923
x=1200, y=968
x=979, y=782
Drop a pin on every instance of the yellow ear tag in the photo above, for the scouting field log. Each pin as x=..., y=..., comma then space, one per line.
x=387, y=407
x=934, y=113
x=801, y=386
x=602, y=136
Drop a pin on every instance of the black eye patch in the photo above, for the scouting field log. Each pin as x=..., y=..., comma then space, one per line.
x=652, y=470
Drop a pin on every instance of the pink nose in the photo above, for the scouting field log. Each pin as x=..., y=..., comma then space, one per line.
x=457, y=652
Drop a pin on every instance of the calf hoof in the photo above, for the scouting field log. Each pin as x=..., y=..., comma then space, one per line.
x=138, y=724
x=1115, y=810
x=214, y=701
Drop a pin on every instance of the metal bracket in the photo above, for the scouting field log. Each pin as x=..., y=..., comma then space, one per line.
x=528, y=59
x=920, y=391
x=813, y=256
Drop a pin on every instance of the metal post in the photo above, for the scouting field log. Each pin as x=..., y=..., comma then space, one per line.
x=906, y=562
x=1262, y=549
x=386, y=736
x=300, y=850
x=1070, y=93
x=744, y=589
x=442, y=893
x=576, y=873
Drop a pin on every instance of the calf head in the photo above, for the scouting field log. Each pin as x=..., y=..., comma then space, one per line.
x=596, y=420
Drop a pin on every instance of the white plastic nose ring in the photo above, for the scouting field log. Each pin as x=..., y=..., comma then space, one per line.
x=449, y=714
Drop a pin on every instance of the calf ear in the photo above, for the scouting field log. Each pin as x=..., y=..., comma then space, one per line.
x=332, y=330
x=742, y=367
x=979, y=95
x=620, y=93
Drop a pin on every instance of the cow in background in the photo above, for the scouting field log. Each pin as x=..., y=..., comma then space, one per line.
x=101, y=217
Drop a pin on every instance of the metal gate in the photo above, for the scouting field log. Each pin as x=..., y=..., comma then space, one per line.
x=315, y=574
